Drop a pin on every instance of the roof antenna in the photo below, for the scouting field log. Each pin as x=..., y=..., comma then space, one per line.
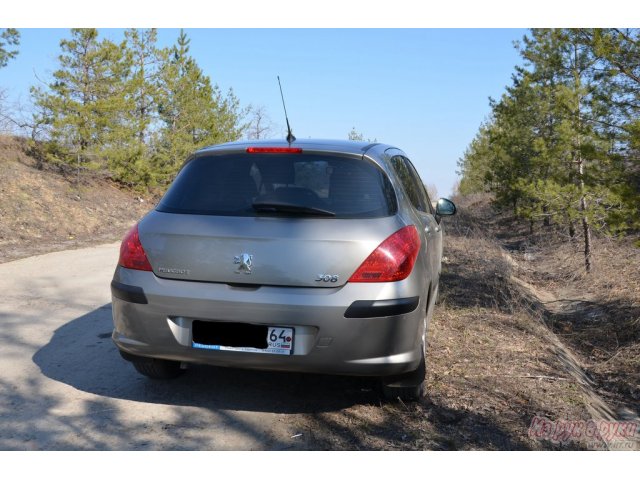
x=290, y=137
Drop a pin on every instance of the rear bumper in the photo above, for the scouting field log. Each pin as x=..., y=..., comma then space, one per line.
x=325, y=340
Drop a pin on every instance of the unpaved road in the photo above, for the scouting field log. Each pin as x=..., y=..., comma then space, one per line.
x=64, y=386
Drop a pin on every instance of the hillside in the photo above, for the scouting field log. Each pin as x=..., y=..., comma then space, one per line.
x=43, y=210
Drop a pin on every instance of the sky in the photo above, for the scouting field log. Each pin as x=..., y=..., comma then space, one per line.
x=425, y=91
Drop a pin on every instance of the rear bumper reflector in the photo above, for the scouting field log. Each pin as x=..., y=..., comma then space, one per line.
x=128, y=293
x=381, y=308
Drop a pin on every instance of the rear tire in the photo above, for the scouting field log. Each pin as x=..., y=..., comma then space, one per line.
x=408, y=386
x=157, y=368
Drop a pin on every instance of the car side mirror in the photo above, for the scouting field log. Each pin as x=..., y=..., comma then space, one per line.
x=445, y=207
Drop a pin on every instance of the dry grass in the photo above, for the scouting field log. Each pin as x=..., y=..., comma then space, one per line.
x=488, y=354
x=597, y=315
x=43, y=211
x=600, y=317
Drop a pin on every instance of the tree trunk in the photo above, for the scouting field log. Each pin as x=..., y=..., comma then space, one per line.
x=587, y=243
x=585, y=222
x=141, y=119
x=583, y=198
x=547, y=219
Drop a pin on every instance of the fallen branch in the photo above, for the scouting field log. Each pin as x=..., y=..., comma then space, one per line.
x=543, y=377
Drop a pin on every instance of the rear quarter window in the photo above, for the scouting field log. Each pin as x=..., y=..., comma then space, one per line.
x=230, y=184
x=411, y=183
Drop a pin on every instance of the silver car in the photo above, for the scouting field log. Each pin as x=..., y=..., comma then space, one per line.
x=311, y=256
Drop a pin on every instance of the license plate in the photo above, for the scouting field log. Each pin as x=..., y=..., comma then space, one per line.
x=279, y=342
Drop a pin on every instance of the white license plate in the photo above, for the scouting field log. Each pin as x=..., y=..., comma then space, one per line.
x=279, y=342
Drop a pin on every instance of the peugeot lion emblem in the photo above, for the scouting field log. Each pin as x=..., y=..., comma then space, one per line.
x=244, y=262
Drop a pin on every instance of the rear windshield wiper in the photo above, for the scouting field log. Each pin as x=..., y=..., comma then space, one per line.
x=285, y=207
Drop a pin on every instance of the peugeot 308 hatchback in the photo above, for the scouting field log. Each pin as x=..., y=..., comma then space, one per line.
x=311, y=256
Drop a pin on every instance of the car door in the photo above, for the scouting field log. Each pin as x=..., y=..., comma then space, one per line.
x=418, y=198
x=428, y=216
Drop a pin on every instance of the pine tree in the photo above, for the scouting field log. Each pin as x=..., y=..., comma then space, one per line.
x=193, y=112
x=554, y=147
x=474, y=167
x=81, y=105
x=579, y=110
x=142, y=86
x=132, y=140
x=618, y=74
x=8, y=38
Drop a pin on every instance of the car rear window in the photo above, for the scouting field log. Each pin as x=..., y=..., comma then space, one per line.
x=230, y=184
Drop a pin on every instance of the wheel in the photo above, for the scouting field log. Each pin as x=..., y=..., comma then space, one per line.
x=408, y=386
x=157, y=368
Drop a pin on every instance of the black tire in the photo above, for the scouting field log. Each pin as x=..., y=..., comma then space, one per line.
x=157, y=368
x=408, y=386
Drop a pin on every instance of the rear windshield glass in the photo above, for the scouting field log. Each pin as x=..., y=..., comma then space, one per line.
x=234, y=184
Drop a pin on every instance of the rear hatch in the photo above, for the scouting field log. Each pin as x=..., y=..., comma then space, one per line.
x=296, y=219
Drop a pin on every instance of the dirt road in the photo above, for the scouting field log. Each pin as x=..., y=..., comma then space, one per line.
x=64, y=386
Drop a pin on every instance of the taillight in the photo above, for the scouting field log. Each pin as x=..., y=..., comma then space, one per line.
x=131, y=252
x=274, y=150
x=393, y=260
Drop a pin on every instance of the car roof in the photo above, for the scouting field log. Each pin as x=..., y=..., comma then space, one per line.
x=316, y=145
